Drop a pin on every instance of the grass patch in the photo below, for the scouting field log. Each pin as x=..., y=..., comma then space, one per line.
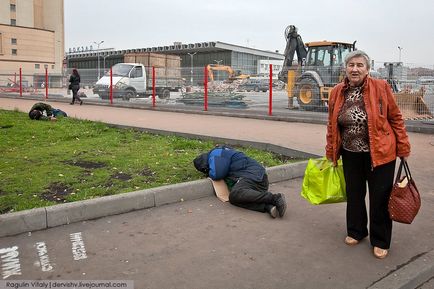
x=44, y=162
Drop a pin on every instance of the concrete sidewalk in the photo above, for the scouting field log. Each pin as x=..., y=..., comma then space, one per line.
x=306, y=246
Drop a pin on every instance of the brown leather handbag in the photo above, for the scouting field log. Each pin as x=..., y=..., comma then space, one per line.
x=404, y=201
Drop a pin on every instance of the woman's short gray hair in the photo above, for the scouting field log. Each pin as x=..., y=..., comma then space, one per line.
x=358, y=53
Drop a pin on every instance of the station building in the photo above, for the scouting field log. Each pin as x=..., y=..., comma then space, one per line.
x=194, y=57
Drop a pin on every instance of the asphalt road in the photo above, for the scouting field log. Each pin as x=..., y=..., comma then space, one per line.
x=209, y=244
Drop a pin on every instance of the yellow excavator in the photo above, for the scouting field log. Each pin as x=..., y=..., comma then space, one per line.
x=319, y=69
x=320, y=66
x=232, y=74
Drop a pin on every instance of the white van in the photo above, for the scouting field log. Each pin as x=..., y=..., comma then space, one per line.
x=130, y=80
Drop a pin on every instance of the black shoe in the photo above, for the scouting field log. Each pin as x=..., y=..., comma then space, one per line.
x=280, y=203
x=81, y=102
x=272, y=210
x=71, y=103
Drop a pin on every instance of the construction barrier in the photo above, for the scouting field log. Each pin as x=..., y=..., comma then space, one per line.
x=192, y=88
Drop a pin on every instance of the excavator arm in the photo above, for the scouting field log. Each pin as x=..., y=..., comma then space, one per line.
x=232, y=74
x=294, y=44
x=218, y=67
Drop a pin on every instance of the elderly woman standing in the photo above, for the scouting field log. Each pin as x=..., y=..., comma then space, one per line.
x=366, y=128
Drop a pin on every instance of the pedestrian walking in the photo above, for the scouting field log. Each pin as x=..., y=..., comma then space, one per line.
x=74, y=80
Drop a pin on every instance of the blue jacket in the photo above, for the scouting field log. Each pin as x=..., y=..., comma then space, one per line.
x=226, y=162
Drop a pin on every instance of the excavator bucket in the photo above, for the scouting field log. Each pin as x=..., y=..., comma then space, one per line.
x=412, y=105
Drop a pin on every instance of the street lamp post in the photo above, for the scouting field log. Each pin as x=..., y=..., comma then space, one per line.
x=400, y=48
x=97, y=53
x=191, y=70
x=103, y=65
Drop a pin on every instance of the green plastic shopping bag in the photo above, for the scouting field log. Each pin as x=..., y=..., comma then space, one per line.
x=323, y=183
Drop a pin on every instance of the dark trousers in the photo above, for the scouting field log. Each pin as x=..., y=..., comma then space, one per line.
x=75, y=89
x=251, y=195
x=357, y=171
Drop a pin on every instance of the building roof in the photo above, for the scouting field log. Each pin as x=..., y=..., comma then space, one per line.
x=181, y=48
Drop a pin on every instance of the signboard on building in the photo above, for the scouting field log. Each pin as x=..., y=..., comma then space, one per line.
x=264, y=67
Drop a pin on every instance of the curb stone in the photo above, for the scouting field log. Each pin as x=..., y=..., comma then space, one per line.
x=410, y=276
x=23, y=221
x=63, y=214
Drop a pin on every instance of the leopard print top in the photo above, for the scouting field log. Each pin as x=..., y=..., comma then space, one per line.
x=353, y=121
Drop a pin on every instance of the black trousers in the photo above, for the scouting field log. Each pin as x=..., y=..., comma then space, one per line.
x=75, y=89
x=357, y=171
x=251, y=195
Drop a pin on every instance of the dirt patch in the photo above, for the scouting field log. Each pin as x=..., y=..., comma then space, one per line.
x=57, y=192
x=147, y=172
x=118, y=176
x=121, y=176
x=86, y=164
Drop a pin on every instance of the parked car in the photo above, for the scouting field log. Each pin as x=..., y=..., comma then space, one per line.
x=254, y=85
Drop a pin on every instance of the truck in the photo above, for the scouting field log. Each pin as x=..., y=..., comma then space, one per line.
x=133, y=77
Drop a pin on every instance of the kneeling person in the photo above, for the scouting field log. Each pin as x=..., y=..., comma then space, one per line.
x=249, y=179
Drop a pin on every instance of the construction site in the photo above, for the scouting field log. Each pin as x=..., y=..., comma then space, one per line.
x=218, y=74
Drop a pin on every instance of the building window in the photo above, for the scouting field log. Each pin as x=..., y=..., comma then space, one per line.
x=14, y=22
x=13, y=41
x=37, y=66
x=14, y=52
x=13, y=8
x=52, y=66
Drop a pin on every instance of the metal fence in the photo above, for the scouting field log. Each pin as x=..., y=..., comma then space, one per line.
x=203, y=88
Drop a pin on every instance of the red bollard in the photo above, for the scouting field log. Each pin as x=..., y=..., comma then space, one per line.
x=111, y=86
x=206, y=90
x=270, y=99
x=153, y=86
x=46, y=83
x=21, y=82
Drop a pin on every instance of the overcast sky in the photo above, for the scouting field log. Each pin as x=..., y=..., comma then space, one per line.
x=379, y=26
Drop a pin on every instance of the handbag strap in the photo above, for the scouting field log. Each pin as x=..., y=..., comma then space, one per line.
x=407, y=170
x=398, y=174
x=402, y=164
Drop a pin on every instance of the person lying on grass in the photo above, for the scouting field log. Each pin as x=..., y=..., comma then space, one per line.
x=44, y=111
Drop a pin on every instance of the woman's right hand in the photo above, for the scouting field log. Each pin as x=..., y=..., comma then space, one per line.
x=330, y=160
